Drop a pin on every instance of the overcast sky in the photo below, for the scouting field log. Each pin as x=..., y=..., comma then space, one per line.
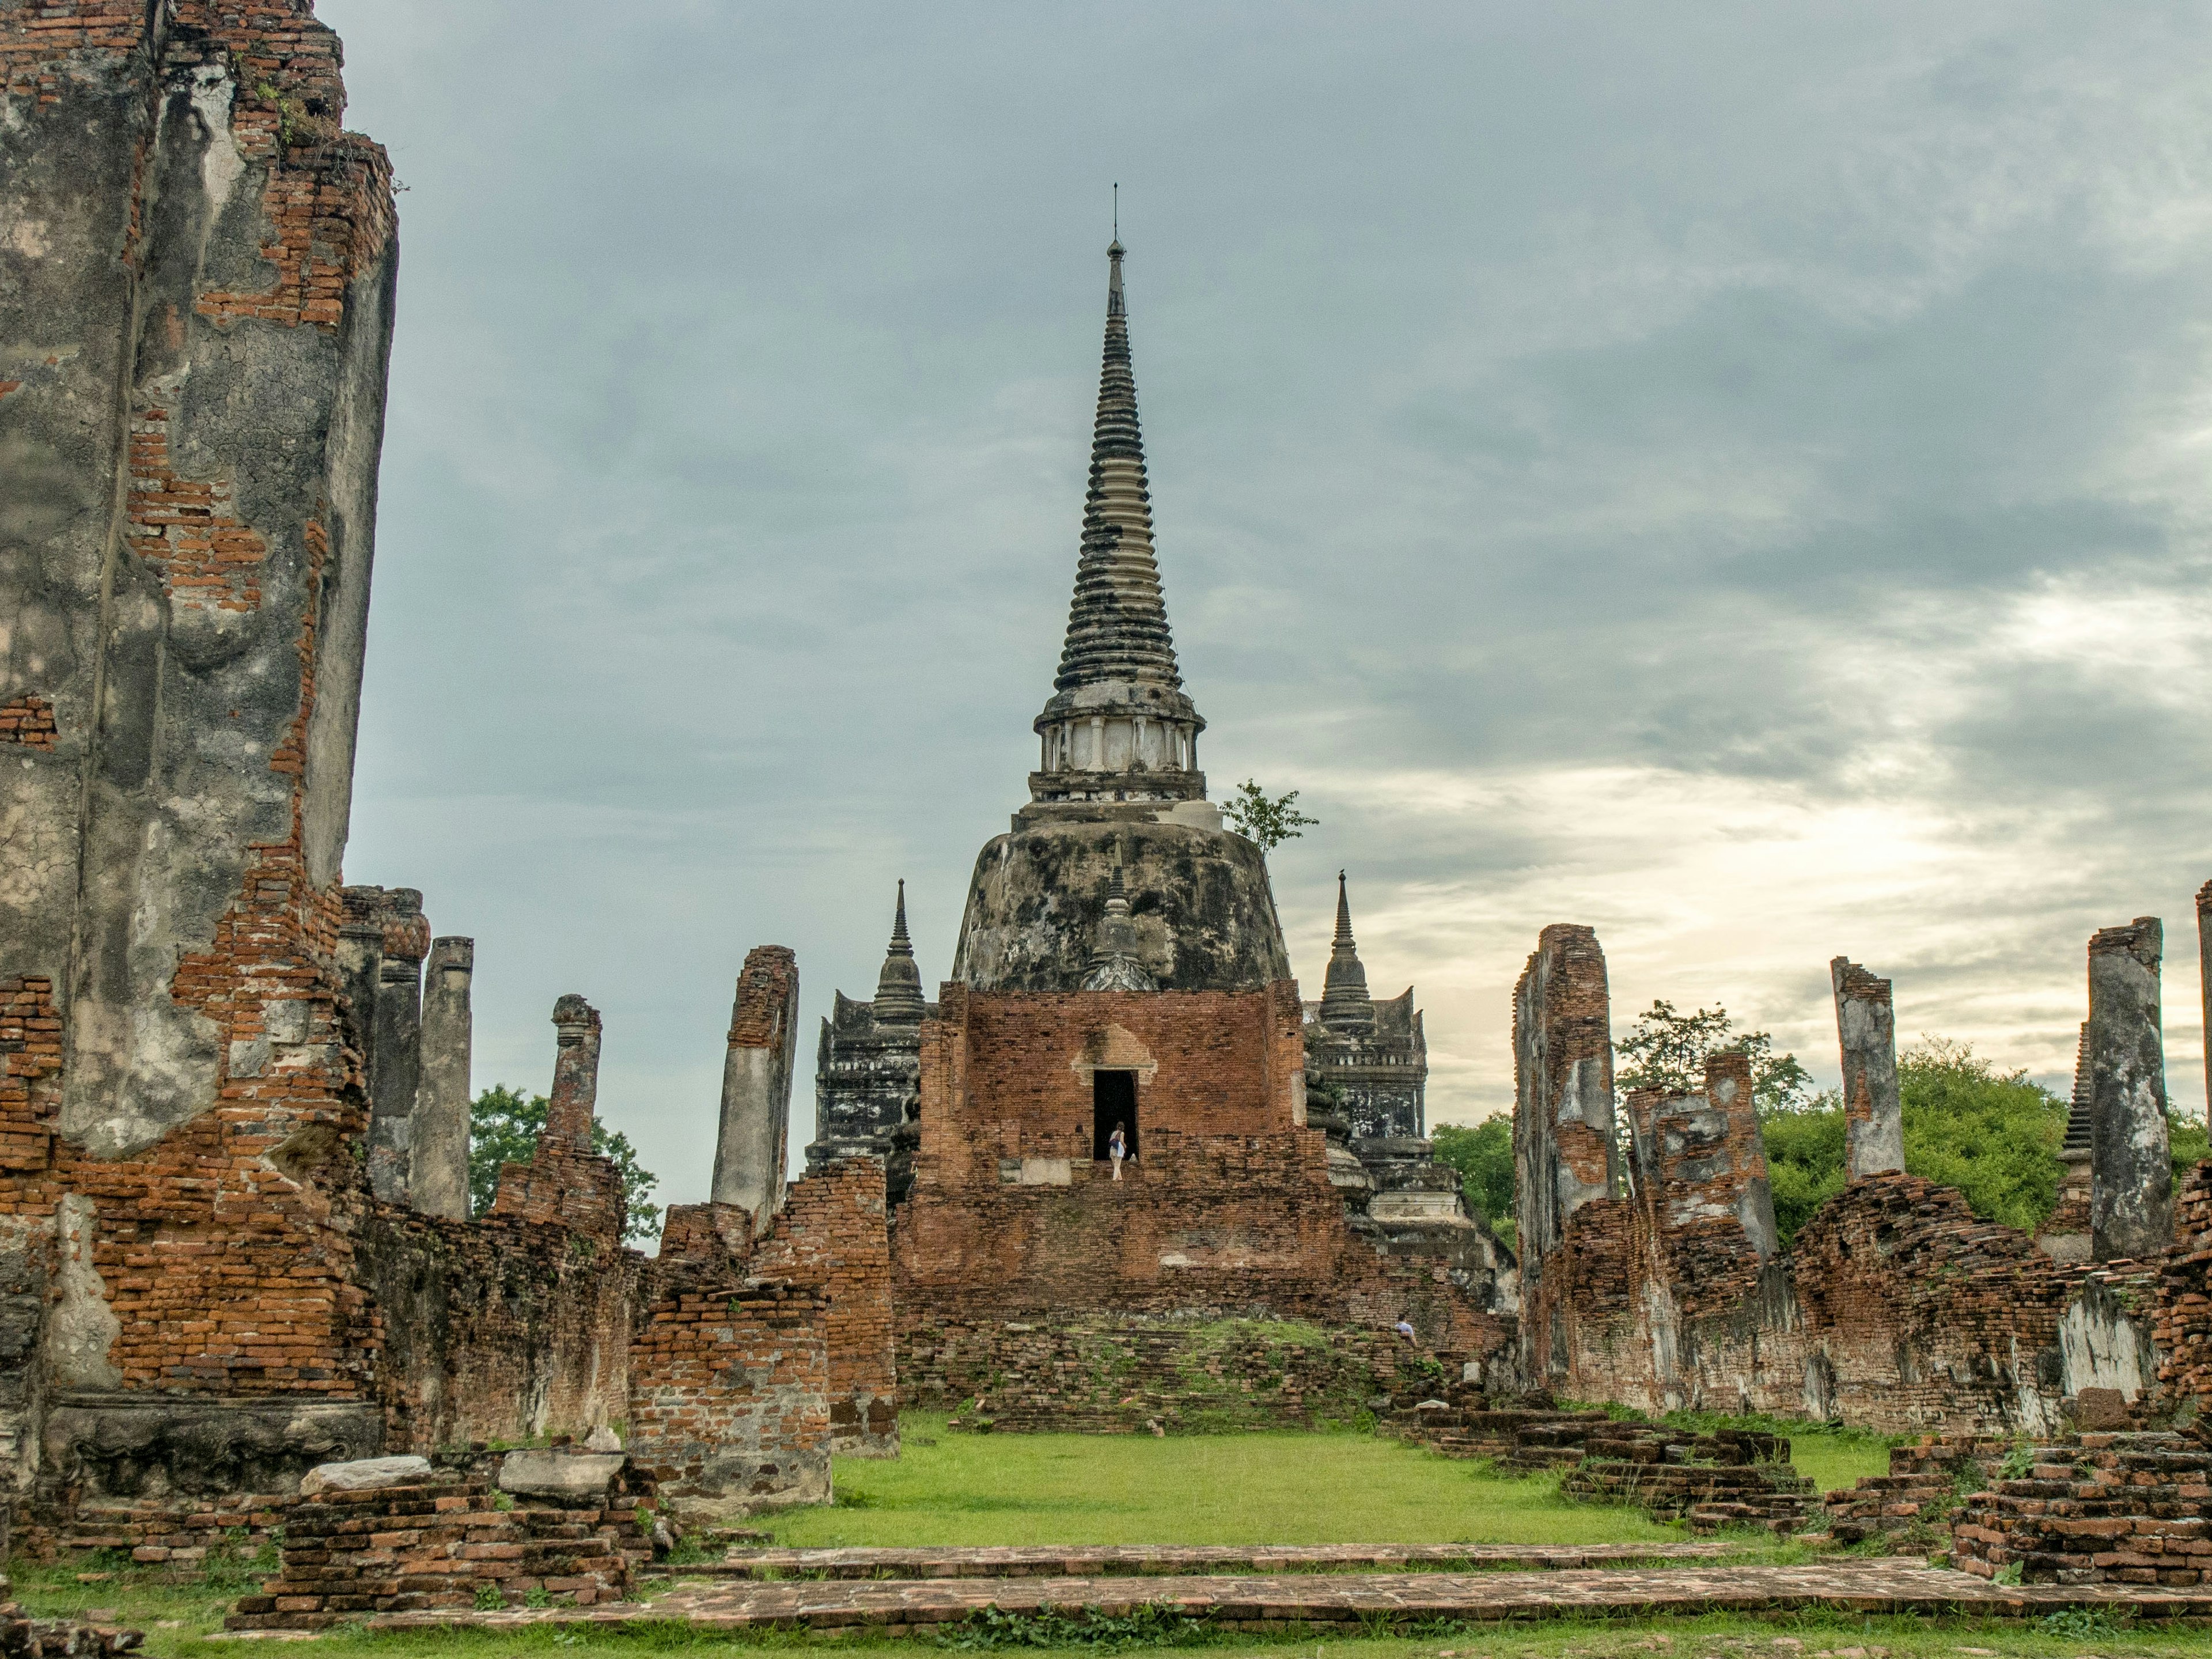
x=1733, y=474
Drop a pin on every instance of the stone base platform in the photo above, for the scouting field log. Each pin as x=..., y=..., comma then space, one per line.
x=1157, y=1560
x=1291, y=1601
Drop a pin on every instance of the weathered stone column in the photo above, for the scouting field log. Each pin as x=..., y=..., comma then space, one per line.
x=1866, y=1027
x=754, y=1142
x=1728, y=1092
x=2204, y=984
x=1563, y=1078
x=1563, y=1153
x=440, y=1163
x=574, y=1103
x=360, y=960
x=398, y=1043
x=2131, y=1176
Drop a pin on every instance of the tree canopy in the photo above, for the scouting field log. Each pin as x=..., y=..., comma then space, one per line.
x=1483, y=1156
x=503, y=1129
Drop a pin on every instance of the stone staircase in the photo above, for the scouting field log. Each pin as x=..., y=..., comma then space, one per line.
x=1912, y=1505
x=1730, y=1478
x=2119, y=1508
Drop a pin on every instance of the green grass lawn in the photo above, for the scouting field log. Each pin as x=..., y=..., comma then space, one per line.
x=951, y=1488
x=957, y=1488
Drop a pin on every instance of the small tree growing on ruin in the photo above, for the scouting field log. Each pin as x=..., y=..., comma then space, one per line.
x=1668, y=1048
x=1268, y=821
x=503, y=1129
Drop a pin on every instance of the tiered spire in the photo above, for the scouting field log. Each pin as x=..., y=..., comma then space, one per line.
x=898, y=987
x=2080, y=1119
x=1117, y=626
x=1345, y=1004
x=1118, y=705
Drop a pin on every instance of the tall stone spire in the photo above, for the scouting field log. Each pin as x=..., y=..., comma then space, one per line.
x=1118, y=706
x=1345, y=1004
x=898, y=987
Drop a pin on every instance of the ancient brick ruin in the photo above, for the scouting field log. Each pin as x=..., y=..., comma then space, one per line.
x=235, y=1234
x=1659, y=1282
x=1120, y=967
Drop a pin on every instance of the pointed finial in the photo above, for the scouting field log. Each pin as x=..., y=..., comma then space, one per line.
x=1117, y=209
x=1343, y=1002
x=898, y=987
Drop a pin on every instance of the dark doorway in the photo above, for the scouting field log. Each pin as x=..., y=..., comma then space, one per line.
x=1113, y=1100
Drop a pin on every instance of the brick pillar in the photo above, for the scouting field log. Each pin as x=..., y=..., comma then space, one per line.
x=1728, y=1092
x=361, y=959
x=398, y=1043
x=1866, y=1026
x=2204, y=984
x=2131, y=1171
x=1562, y=1077
x=1564, y=1152
x=439, y=1184
x=575, y=1099
x=754, y=1142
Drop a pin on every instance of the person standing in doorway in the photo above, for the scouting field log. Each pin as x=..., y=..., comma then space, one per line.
x=1118, y=1148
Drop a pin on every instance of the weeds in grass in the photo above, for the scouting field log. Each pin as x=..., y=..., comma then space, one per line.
x=688, y=1552
x=2083, y=1623
x=1151, y=1626
x=237, y=1565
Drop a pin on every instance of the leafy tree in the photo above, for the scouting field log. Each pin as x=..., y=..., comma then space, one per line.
x=1270, y=822
x=2190, y=1144
x=503, y=1129
x=1668, y=1050
x=1483, y=1158
x=1804, y=1159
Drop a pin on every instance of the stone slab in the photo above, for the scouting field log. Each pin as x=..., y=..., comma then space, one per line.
x=559, y=1473
x=367, y=1474
x=1121, y=1560
x=894, y=1605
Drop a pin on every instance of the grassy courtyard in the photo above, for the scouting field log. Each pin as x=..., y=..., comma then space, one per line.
x=951, y=1488
x=956, y=1488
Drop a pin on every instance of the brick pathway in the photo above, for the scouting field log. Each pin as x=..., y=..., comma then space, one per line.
x=1274, y=1603
x=1117, y=1561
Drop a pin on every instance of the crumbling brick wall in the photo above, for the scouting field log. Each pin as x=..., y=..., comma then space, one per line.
x=834, y=1236
x=729, y=1394
x=506, y=1329
x=1226, y=1211
x=1120, y=1374
x=443, y=1543
x=2182, y=1320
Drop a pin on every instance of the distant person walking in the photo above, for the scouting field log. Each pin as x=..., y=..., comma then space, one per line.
x=1118, y=1148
